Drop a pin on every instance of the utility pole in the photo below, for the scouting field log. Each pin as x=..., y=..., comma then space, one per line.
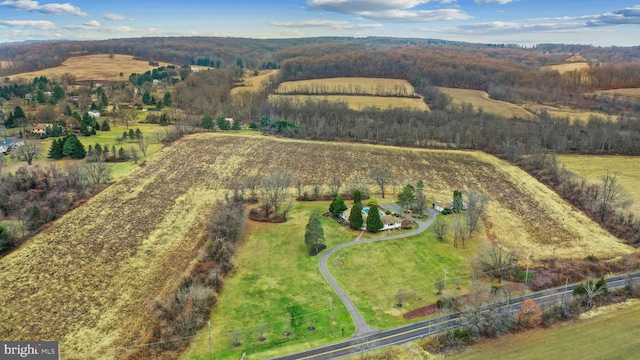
x=526, y=275
x=331, y=317
x=445, y=281
x=210, y=350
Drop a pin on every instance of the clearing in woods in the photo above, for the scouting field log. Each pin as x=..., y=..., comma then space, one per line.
x=564, y=68
x=88, y=278
x=357, y=92
x=253, y=83
x=594, y=168
x=628, y=94
x=480, y=99
x=93, y=67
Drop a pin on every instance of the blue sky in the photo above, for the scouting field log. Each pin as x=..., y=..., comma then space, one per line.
x=524, y=22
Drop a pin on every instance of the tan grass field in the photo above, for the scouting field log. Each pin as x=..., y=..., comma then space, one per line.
x=88, y=278
x=254, y=83
x=93, y=67
x=568, y=67
x=630, y=94
x=360, y=102
x=5, y=64
x=594, y=168
x=479, y=99
x=350, y=86
x=572, y=114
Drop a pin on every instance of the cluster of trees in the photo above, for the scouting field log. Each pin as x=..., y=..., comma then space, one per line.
x=413, y=198
x=181, y=314
x=68, y=146
x=35, y=196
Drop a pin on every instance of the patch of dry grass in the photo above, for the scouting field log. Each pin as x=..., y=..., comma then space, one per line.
x=93, y=67
x=594, y=168
x=360, y=102
x=350, y=86
x=88, y=278
x=254, y=83
x=564, y=68
x=5, y=64
x=567, y=112
x=479, y=99
x=630, y=94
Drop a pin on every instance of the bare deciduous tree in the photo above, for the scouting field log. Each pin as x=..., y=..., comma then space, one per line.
x=494, y=262
x=133, y=152
x=334, y=185
x=274, y=189
x=27, y=152
x=97, y=172
x=382, y=177
x=440, y=227
x=143, y=144
x=475, y=209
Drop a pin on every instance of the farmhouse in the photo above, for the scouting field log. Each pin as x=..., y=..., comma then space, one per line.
x=39, y=129
x=94, y=114
x=7, y=145
x=438, y=206
x=389, y=222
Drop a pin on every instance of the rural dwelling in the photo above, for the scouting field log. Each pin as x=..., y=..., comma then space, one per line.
x=439, y=207
x=94, y=114
x=389, y=222
x=75, y=98
x=156, y=82
x=39, y=129
x=48, y=94
x=28, y=97
x=195, y=69
x=8, y=144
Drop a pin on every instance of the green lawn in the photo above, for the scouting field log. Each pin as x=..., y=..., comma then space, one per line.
x=373, y=274
x=273, y=271
x=103, y=138
x=610, y=336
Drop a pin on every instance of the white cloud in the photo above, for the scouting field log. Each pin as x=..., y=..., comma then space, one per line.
x=501, y=2
x=332, y=24
x=52, y=8
x=619, y=17
x=511, y=27
x=358, y=6
x=416, y=15
x=114, y=17
x=390, y=10
x=92, y=23
x=37, y=24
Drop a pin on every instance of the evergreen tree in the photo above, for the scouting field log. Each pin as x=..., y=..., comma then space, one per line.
x=105, y=126
x=236, y=125
x=138, y=134
x=132, y=135
x=167, y=99
x=98, y=151
x=337, y=206
x=57, y=149
x=33, y=218
x=125, y=135
x=222, y=123
x=207, y=122
x=73, y=148
x=357, y=197
x=407, y=196
x=374, y=223
x=91, y=154
x=122, y=154
x=457, y=201
x=5, y=240
x=355, y=217
x=314, y=235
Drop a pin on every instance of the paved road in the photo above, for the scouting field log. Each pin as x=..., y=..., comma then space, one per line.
x=362, y=328
x=399, y=335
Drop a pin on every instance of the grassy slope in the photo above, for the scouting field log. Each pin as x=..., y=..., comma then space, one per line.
x=88, y=278
x=366, y=86
x=593, y=168
x=93, y=67
x=563, y=68
x=373, y=273
x=479, y=99
x=576, y=340
x=275, y=271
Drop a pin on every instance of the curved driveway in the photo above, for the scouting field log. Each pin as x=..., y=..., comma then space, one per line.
x=362, y=327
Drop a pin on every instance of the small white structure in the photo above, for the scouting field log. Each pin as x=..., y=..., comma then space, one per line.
x=156, y=82
x=195, y=69
x=7, y=145
x=40, y=129
x=94, y=114
x=28, y=97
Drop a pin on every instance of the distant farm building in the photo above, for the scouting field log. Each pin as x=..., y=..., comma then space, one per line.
x=439, y=207
x=40, y=129
x=94, y=114
x=7, y=145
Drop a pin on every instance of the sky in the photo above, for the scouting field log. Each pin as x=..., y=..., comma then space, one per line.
x=522, y=22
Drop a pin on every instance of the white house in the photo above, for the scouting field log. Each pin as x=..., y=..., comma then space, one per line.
x=195, y=69
x=389, y=222
x=156, y=82
x=7, y=145
x=94, y=114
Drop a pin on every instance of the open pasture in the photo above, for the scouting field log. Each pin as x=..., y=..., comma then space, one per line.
x=629, y=94
x=594, y=168
x=480, y=99
x=93, y=67
x=568, y=67
x=88, y=278
x=349, y=86
x=359, y=102
x=254, y=83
